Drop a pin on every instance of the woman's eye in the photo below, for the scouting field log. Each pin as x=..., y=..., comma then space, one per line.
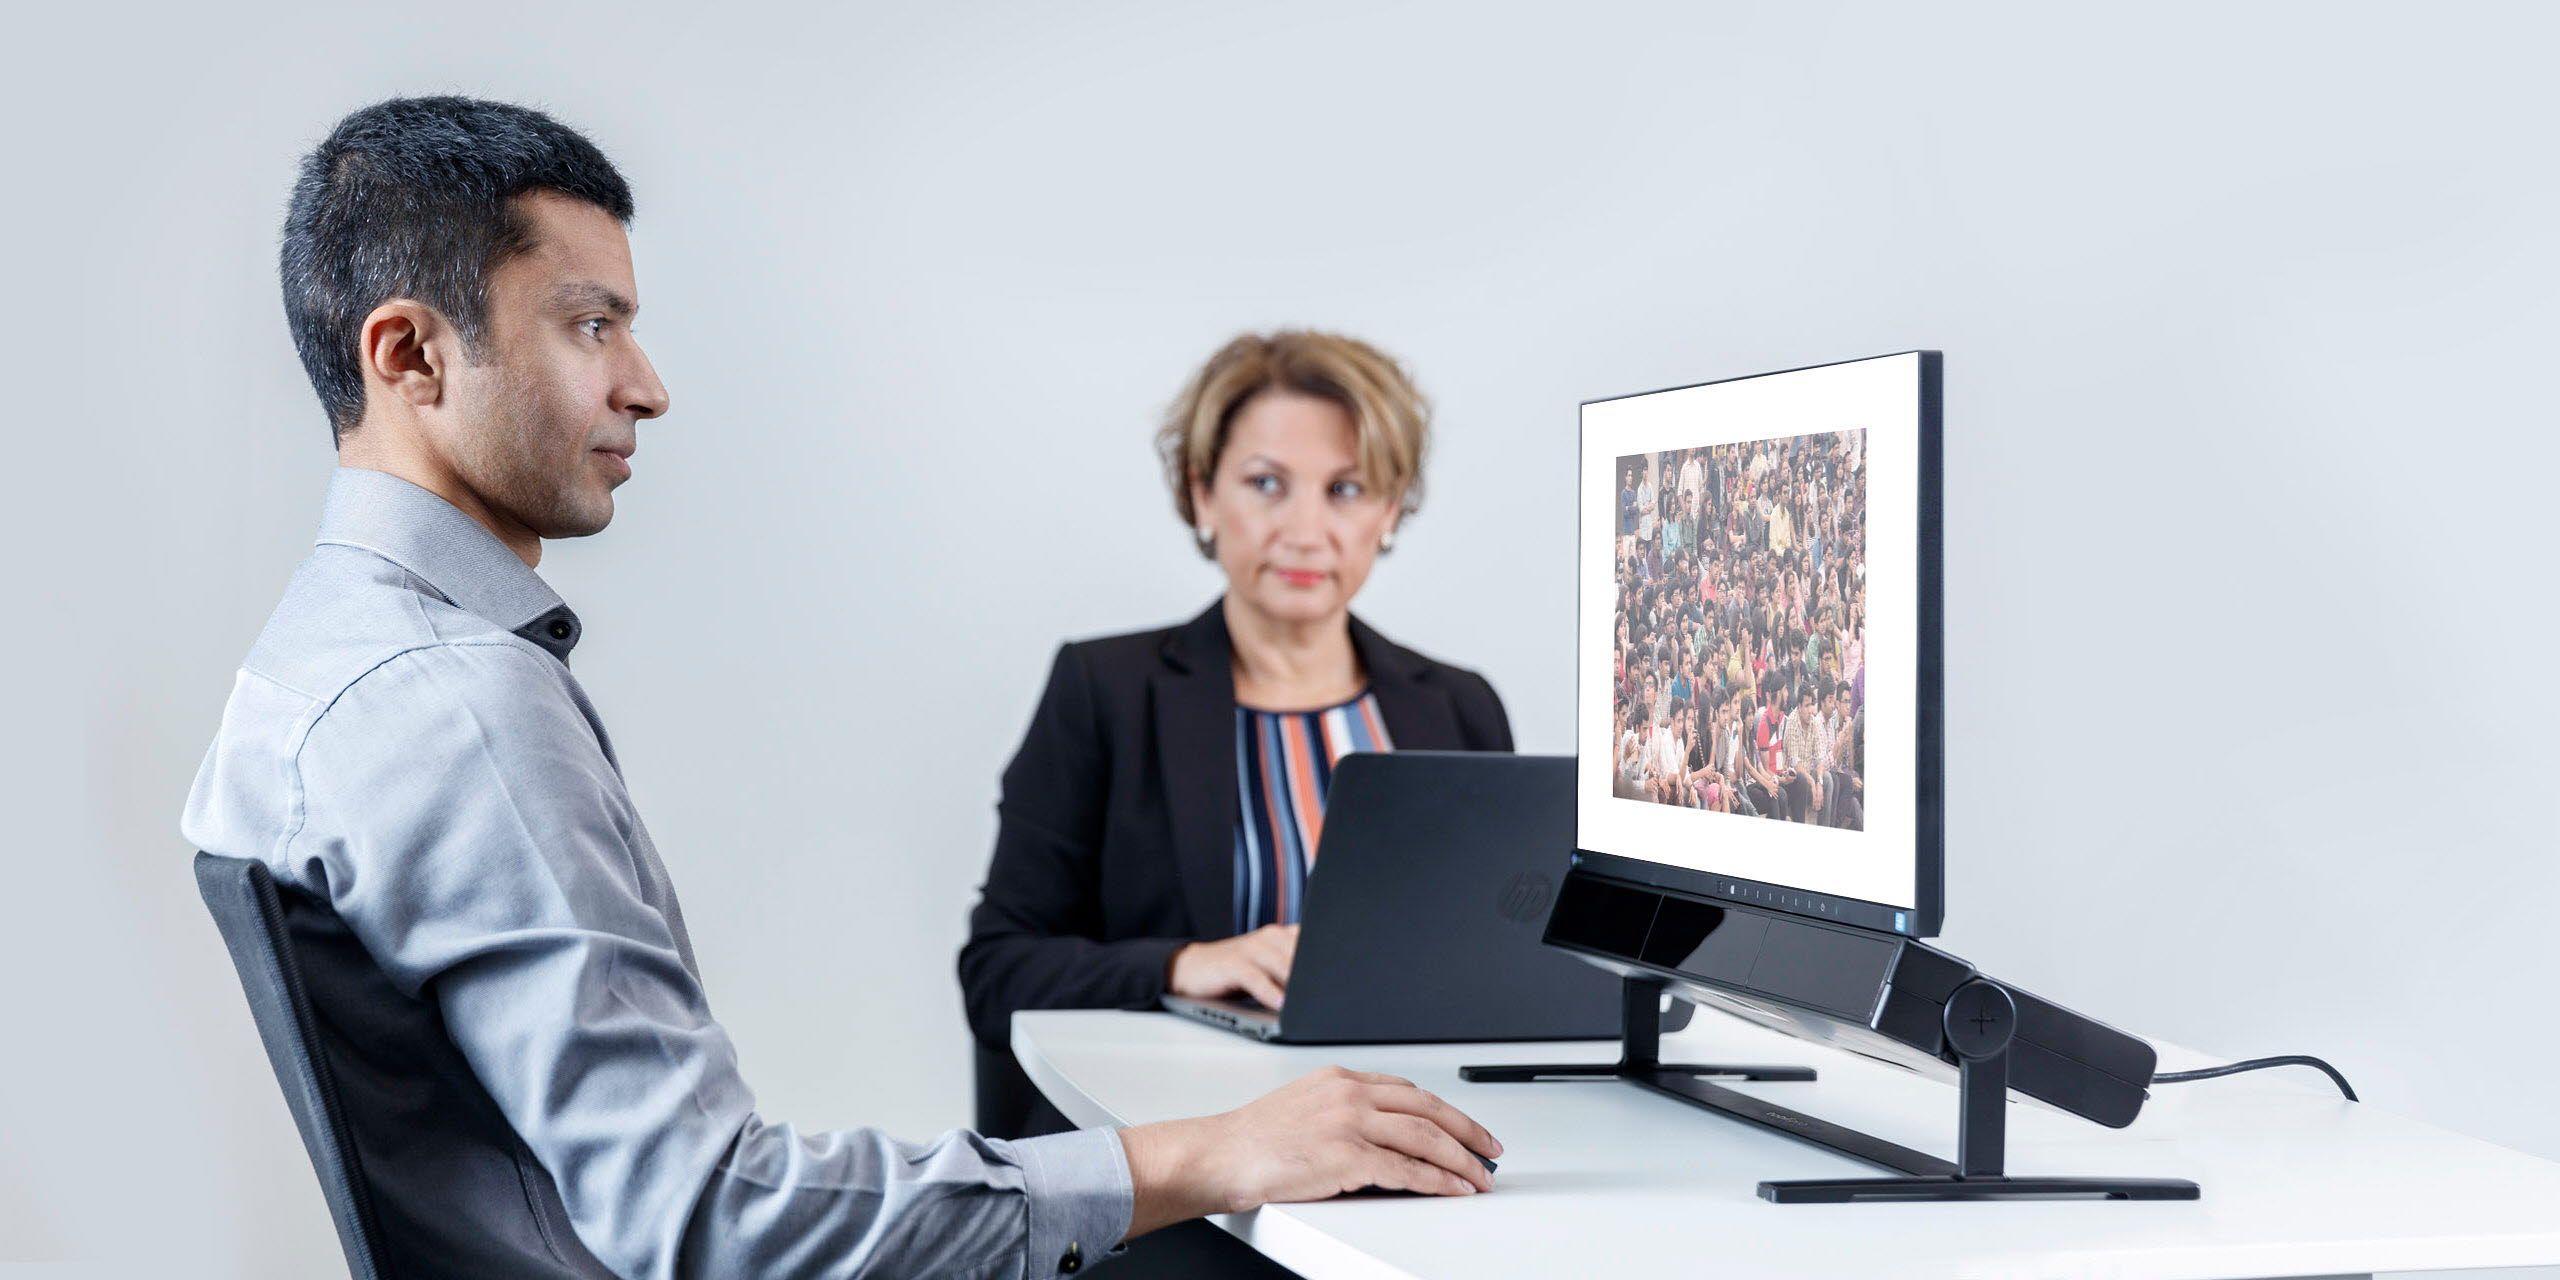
x=1348, y=489
x=1263, y=484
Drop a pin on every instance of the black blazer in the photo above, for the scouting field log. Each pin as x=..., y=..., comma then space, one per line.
x=1115, y=837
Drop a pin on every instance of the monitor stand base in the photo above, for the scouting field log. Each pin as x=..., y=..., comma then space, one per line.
x=1952, y=1187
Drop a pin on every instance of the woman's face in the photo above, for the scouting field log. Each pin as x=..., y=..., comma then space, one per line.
x=1297, y=529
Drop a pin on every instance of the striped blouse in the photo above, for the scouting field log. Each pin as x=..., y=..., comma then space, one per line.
x=1284, y=765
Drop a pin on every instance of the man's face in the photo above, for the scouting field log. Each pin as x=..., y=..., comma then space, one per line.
x=545, y=420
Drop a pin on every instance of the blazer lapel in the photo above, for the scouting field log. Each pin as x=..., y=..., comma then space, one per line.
x=1195, y=715
x=1418, y=712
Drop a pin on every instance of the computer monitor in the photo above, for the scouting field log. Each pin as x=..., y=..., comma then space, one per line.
x=1758, y=688
x=1758, y=786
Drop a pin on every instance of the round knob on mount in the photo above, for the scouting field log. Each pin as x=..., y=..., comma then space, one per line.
x=1980, y=1019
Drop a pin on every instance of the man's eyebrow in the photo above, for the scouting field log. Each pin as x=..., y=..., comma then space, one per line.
x=586, y=295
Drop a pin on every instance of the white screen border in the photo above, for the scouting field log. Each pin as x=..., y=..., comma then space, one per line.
x=1883, y=863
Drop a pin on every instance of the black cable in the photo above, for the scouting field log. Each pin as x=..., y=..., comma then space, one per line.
x=2253, y=1064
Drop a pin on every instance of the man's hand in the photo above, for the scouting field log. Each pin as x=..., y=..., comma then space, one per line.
x=1255, y=964
x=1329, y=1132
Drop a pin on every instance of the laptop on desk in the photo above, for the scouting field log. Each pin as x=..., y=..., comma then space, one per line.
x=1425, y=908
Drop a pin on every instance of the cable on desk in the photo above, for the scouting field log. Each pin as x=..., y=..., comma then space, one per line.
x=2255, y=1064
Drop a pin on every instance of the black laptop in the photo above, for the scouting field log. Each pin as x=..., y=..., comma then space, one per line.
x=1425, y=907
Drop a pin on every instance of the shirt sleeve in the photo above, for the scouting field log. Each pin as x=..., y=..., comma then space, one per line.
x=470, y=829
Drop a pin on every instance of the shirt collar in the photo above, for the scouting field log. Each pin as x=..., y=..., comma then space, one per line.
x=449, y=551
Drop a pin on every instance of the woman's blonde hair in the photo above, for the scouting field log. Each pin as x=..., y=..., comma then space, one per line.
x=1390, y=420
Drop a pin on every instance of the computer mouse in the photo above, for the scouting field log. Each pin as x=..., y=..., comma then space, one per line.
x=1365, y=1193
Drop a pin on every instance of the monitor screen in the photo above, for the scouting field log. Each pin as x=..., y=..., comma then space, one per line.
x=1758, y=686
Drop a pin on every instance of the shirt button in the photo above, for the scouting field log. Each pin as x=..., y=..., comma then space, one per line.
x=559, y=629
x=1073, y=1262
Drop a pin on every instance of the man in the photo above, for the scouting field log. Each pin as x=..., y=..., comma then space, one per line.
x=1667, y=755
x=1825, y=726
x=1630, y=780
x=1764, y=790
x=1768, y=740
x=1847, y=809
x=1804, y=747
x=408, y=753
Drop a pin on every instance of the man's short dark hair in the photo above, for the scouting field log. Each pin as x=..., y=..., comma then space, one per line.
x=409, y=199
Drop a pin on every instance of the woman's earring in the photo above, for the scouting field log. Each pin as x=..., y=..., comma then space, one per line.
x=1208, y=541
x=1386, y=542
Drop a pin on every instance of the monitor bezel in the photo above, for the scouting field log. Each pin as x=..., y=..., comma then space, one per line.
x=1927, y=916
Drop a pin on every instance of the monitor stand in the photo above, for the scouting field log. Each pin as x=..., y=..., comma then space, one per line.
x=1639, y=1052
x=1980, y=1021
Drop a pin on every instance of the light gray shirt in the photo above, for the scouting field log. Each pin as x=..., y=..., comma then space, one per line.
x=406, y=743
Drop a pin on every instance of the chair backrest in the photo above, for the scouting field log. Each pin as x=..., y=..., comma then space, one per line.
x=1009, y=1105
x=425, y=1176
x=242, y=896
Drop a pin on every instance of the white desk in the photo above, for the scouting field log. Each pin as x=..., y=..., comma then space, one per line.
x=1604, y=1178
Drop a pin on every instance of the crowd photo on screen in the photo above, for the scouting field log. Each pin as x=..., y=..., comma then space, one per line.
x=1740, y=672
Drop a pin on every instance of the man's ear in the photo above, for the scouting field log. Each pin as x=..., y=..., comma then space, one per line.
x=404, y=348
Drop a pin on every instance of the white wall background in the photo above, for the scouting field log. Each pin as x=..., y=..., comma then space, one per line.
x=2249, y=319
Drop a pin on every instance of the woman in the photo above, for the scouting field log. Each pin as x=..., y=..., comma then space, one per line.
x=1158, y=822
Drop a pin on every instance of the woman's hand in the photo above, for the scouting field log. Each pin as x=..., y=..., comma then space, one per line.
x=1254, y=964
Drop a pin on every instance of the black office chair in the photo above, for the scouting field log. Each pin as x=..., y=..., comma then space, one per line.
x=242, y=896
x=423, y=1174
x=1009, y=1105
